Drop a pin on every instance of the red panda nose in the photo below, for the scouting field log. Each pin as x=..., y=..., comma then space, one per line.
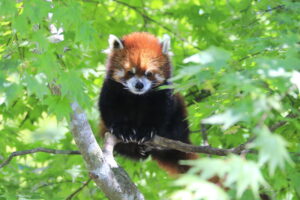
x=139, y=85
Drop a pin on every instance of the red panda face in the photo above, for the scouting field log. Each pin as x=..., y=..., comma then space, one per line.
x=139, y=62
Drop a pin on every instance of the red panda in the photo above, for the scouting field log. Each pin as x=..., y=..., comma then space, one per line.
x=134, y=108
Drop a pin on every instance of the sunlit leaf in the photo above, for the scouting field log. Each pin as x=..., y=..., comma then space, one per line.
x=233, y=170
x=196, y=188
x=212, y=56
x=272, y=149
x=226, y=119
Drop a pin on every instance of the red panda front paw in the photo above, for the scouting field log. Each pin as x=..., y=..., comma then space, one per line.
x=127, y=135
x=143, y=151
x=145, y=136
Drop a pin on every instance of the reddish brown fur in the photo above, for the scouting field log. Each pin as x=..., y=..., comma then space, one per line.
x=174, y=168
x=143, y=52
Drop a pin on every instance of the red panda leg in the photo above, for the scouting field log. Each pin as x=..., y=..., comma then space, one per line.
x=169, y=160
x=130, y=150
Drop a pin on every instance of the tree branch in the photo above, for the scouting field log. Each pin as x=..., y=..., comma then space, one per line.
x=204, y=134
x=108, y=176
x=112, y=180
x=30, y=151
x=157, y=141
x=282, y=123
x=166, y=143
x=79, y=189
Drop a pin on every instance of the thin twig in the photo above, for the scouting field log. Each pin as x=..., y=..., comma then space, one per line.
x=204, y=134
x=79, y=189
x=21, y=53
x=195, y=131
x=242, y=148
x=274, y=8
x=47, y=184
x=251, y=55
x=40, y=149
x=148, y=18
x=197, y=96
x=281, y=123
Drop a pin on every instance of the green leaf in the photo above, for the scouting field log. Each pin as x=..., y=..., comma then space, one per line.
x=12, y=93
x=21, y=25
x=234, y=63
x=85, y=33
x=59, y=106
x=213, y=56
x=196, y=188
x=75, y=172
x=36, y=10
x=227, y=119
x=234, y=171
x=36, y=85
x=272, y=149
x=47, y=64
x=7, y=7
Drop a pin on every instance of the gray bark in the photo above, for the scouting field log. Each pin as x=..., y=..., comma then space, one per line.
x=108, y=176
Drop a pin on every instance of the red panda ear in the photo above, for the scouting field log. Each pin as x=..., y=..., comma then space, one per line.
x=166, y=44
x=114, y=43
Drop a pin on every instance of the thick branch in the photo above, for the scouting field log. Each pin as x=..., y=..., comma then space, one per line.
x=166, y=143
x=157, y=141
x=113, y=180
x=30, y=151
x=108, y=176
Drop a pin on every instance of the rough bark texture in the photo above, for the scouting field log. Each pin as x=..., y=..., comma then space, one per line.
x=165, y=143
x=110, y=178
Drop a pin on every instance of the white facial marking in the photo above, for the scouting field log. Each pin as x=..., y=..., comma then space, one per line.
x=120, y=73
x=166, y=43
x=159, y=78
x=133, y=70
x=131, y=85
x=106, y=51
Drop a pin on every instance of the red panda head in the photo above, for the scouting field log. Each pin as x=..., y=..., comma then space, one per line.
x=139, y=61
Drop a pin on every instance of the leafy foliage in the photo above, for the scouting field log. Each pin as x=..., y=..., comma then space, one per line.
x=236, y=62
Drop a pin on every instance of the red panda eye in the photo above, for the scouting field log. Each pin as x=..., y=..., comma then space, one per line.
x=130, y=73
x=149, y=74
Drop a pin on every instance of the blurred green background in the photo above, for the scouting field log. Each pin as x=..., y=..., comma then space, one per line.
x=236, y=62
